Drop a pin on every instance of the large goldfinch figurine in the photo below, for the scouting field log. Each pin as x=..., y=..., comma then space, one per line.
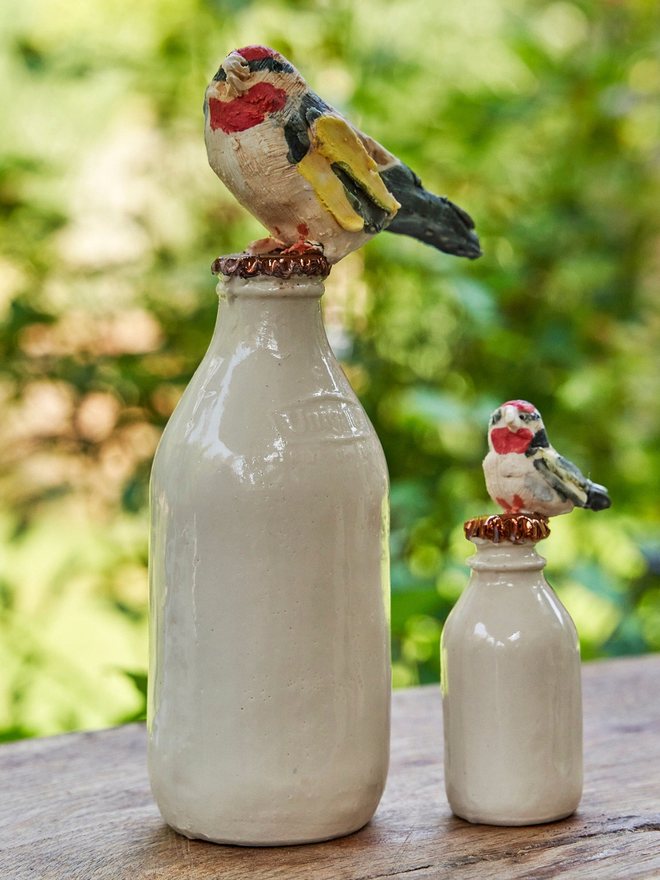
x=525, y=474
x=312, y=178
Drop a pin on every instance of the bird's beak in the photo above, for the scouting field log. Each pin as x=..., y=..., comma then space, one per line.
x=238, y=71
x=510, y=416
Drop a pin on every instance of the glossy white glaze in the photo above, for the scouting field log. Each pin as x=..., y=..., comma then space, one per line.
x=511, y=690
x=269, y=671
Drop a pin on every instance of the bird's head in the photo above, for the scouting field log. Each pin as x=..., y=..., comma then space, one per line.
x=250, y=84
x=513, y=426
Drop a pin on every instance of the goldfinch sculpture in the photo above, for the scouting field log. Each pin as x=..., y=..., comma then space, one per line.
x=311, y=177
x=525, y=474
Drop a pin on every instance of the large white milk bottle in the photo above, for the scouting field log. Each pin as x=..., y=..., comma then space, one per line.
x=269, y=580
x=511, y=687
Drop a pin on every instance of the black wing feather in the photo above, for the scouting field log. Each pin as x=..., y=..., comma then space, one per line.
x=430, y=218
x=375, y=218
x=298, y=123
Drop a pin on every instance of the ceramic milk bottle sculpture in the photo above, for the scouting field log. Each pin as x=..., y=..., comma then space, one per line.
x=510, y=655
x=270, y=672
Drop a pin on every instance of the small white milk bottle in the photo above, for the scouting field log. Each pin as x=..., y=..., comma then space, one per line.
x=511, y=686
x=269, y=671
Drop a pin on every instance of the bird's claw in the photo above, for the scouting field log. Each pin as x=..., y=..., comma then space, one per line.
x=265, y=246
x=273, y=246
x=304, y=247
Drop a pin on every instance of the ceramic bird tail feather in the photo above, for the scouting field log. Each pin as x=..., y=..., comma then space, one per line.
x=525, y=474
x=310, y=176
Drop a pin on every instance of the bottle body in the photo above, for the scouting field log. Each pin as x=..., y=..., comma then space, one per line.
x=269, y=669
x=512, y=698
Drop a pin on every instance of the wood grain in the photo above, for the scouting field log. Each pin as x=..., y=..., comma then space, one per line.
x=78, y=807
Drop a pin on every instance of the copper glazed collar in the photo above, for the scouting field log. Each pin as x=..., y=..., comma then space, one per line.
x=515, y=527
x=312, y=265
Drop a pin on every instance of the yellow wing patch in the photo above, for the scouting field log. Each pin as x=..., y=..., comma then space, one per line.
x=330, y=191
x=335, y=142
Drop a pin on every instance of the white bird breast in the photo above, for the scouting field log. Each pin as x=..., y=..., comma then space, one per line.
x=253, y=165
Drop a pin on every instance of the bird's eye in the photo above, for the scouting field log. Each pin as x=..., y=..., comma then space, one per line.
x=496, y=416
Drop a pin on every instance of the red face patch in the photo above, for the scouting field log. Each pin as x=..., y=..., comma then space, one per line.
x=520, y=405
x=256, y=53
x=505, y=441
x=248, y=110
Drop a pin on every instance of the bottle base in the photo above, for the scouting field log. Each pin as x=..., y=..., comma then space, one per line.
x=511, y=821
x=264, y=841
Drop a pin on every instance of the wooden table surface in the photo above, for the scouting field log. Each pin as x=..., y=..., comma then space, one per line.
x=78, y=807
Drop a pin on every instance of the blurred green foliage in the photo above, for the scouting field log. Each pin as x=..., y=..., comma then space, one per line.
x=542, y=119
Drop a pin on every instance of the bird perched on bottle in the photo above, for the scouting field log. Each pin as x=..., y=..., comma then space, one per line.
x=311, y=177
x=525, y=474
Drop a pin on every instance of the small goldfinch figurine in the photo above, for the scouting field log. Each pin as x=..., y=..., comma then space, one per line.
x=314, y=180
x=525, y=474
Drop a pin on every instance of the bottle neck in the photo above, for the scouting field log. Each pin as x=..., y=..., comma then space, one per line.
x=505, y=556
x=280, y=316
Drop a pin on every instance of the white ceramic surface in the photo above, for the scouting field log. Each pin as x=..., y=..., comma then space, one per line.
x=511, y=689
x=269, y=670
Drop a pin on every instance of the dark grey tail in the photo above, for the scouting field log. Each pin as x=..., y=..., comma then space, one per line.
x=597, y=497
x=430, y=218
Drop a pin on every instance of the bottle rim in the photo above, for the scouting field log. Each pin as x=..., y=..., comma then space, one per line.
x=311, y=265
x=514, y=527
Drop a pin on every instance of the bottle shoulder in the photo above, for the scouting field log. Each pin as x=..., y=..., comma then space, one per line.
x=517, y=612
x=256, y=424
